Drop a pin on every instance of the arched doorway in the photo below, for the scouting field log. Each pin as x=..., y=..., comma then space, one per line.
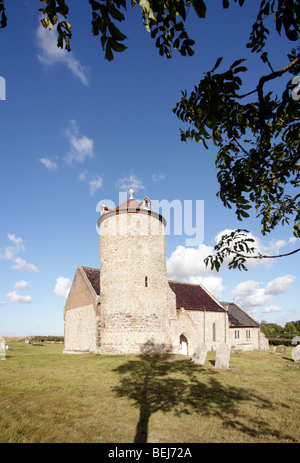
x=183, y=345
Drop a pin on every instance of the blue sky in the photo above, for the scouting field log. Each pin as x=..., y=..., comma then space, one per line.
x=74, y=128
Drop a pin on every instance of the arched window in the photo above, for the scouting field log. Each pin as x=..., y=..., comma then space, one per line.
x=214, y=332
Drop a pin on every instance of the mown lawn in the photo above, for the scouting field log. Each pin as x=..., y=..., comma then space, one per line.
x=46, y=397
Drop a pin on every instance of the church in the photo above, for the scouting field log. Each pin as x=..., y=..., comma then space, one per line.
x=129, y=306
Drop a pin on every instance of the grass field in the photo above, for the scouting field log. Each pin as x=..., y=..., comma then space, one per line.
x=48, y=397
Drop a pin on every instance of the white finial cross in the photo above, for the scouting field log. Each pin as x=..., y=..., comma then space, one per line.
x=131, y=190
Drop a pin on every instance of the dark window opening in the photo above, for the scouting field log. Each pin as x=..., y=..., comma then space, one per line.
x=146, y=282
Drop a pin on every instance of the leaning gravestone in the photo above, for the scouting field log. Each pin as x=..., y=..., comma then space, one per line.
x=222, y=356
x=280, y=350
x=200, y=354
x=296, y=353
x=2, y=348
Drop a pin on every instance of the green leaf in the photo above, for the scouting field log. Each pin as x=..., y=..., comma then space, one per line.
x=115, y=13
x=116, y=46
x=218, y=62
x=199, y=7
x=108, y=53
x=95, y=5
x=116, y=34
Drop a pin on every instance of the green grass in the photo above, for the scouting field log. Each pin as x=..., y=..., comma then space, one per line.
x=46, y=396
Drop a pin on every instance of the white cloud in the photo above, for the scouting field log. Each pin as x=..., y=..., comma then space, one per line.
x=18, y=241
x=9, y=252
x=253, y=311
x=95, y=184
x=50, y=54
x=187, y=262
x=94, y=181
x=158, y=177
x=22, y=284
x=82, y=176
x=213, y=284
x=81, y=147
x=293, y=239
x=51, y=165
x=280, y=284
x=62, y=287
x=250, y=293
x=14, y=297
x=2, y=303
x=272, y=308
x=124, y=183
x=21, y=264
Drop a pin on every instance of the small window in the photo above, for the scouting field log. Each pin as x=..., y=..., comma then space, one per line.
x=214, y=332
x=146, y=282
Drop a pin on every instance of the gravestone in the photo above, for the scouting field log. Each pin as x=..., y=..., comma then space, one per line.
x=200, y=354
x=2, y=348
x=263, y=342
x=280, y=350
x=295, y=340
x=296, y=353
x=222, y=356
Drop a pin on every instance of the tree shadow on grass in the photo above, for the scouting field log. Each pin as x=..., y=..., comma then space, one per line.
x=156, y=382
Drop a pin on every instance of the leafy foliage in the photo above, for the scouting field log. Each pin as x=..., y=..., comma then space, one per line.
x=51, y=12
x=163, y=19
x=258, y=140
x=237, y=243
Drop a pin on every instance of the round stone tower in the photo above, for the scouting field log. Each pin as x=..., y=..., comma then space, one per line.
x=137, y=303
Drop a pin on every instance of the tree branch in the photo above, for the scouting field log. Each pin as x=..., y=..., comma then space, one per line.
x=260, y=256
x=272, y=76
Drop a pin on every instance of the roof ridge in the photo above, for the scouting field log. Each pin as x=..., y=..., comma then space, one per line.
x=184, y=283
x=91, y=268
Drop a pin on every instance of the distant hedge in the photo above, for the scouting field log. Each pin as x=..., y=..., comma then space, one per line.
x=280, y=341
x=47, y=338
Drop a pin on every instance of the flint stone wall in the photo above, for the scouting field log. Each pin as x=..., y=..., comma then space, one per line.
x=134, y=312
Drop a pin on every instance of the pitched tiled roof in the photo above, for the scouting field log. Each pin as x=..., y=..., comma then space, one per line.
x=93, y=275
x=129, y=204
x=238, y=317
x=188, y=296
x=194, y=297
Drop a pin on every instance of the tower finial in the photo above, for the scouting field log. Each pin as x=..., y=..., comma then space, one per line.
x=131, y=190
